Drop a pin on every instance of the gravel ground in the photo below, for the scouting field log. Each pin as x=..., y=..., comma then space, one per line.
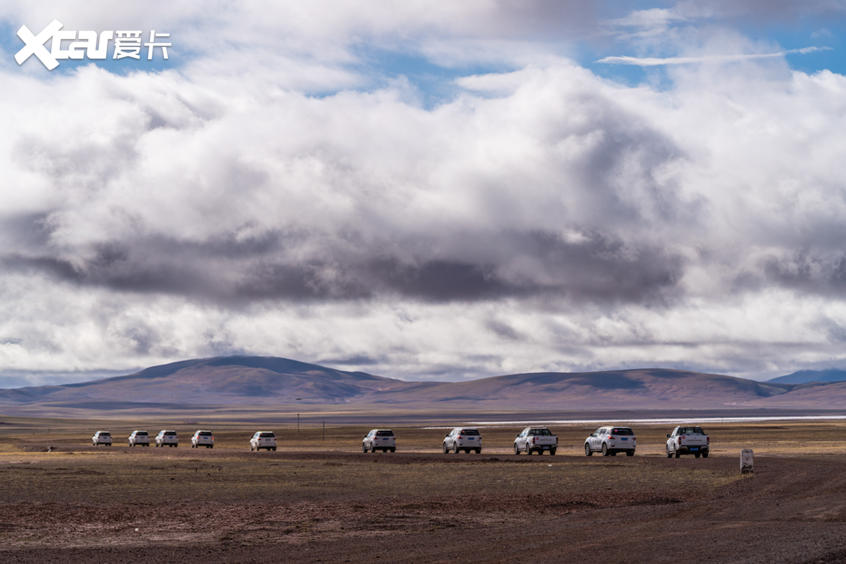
x=188, y=506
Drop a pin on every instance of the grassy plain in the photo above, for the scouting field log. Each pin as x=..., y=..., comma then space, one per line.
x=319, y=498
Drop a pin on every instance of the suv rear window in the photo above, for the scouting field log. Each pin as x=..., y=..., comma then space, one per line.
x=691, y=431
x=471, y=432
x=170, y=433
x=621, y=431
x=267, y=435
x=384, y=433
x=105, y=434
x=141, y=434
x=205, y=434
x=542, y=432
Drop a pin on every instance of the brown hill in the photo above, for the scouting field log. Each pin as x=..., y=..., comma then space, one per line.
x=829, y=395
x=265, y=381
x=618, y=389
x=241, y=380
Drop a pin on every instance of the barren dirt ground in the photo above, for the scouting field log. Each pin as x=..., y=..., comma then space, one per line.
x=321, y=499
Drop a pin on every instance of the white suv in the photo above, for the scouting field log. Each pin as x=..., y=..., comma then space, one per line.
x=688, y=440
x=463, y=438
x=139, y=438
x=263, y=439
x=202, y=438
x=167, y=438
x=379, y=439
x=610, y=441
x=102, y=438
x=536, y=439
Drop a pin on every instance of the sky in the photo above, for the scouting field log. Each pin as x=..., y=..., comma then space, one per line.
x=427, y=190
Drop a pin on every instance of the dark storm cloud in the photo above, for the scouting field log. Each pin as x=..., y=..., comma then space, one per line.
x=598, y=268
x=26, y=230
x=440, y=280
x=504, y=330
x=603, y=268
x=807, y=272
x=545, y=17
x=777, y=9
x=608, y=186
x=54, y=267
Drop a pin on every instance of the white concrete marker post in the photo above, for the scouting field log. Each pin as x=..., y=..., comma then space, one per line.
x=747, y=459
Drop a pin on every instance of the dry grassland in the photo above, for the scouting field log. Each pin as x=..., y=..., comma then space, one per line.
x=319, y=498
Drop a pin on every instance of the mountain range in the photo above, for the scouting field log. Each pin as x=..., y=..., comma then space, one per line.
x=272, y=381
x=812, y=376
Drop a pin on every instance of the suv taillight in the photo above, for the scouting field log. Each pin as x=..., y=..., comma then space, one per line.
x=610, y=437
x=708, y=440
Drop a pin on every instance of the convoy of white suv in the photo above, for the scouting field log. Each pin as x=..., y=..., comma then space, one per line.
x=607, y=440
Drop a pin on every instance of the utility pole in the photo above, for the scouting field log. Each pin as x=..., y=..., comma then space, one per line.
x=298, y=419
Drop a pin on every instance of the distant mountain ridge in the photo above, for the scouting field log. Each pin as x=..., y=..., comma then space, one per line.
x=214, y=381
x=268, y=381
x=812, y=376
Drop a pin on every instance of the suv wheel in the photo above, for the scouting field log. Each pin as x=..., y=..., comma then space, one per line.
x=604, y=449
x=588, y=452
x=629, y=453
x=552, y=451
x=516, y=449
x=705, y=453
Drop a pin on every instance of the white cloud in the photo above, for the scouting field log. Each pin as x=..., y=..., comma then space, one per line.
x=705, y=59
x=542, y=219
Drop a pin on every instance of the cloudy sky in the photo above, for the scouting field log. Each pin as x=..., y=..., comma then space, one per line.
x=428, y=190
